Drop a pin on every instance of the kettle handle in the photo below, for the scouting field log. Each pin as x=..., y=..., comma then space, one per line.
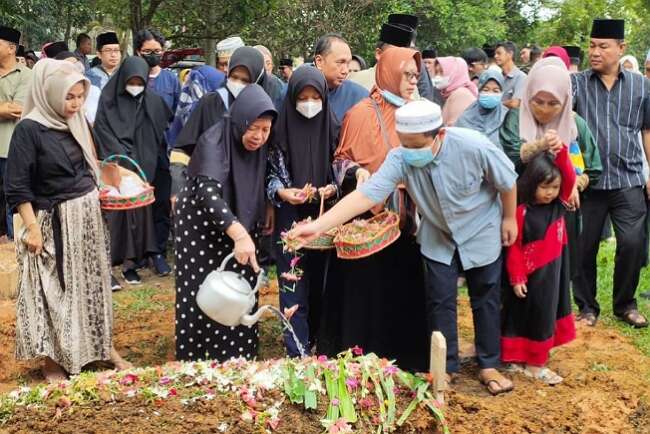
x=222, y=267
x=261, y=276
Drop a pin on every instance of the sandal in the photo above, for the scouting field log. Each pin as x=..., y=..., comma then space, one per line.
x=494, y=382
x=588, y=318
x=634, y=318
x=545, y=375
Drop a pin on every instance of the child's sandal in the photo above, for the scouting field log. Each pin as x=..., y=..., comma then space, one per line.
x=545, y=375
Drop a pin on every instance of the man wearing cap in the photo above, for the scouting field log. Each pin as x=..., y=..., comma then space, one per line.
x=225, y=48
x=110, y=55
x=14, y=82
x=286, y=69
x=55, y=48
x=466, y=194
x=575, y=57
x=429, y=59
x=616, y=105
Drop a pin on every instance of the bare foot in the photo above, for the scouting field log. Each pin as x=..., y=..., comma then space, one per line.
x=52, y=372
x=119, y=362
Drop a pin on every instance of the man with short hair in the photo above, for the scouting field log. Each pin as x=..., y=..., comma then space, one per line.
x=84, y=48
x=286, y=69
x=616, y=105
x=225, y=48
x=477, y=62
x=14, y=82
x=276, y=88
x=331, y=57
x=109, y=55
x=514, y=78
x=524, y=55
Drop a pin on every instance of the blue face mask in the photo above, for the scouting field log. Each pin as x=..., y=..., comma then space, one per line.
x=417, y=157
x=489, y=101
x=393, y=99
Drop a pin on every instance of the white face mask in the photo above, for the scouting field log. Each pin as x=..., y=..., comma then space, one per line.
x=235, y=87
x=440, y=81
x=309, y=108
x=134, y=90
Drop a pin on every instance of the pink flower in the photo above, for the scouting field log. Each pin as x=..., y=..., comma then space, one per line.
x=357, y=351
x=294, y=261
x=165, y=381
x=129, y=379
x=335, y=402
x=322, y=359
x=366, y=403
x=390, y=370
x=288, y=312
x=173, y=392
x=341, y=426
x=290, y=277
x=352, y=383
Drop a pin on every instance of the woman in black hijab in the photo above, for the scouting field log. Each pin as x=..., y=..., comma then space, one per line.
x=220, y=209
x=131, y=121
x=305, y=139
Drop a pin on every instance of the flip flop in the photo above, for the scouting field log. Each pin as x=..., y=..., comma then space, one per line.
x=489, y=380
x=544, y=375
x=634, y=318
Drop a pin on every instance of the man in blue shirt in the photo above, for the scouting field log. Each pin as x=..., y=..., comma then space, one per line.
x=110, y=55
x=465, y=191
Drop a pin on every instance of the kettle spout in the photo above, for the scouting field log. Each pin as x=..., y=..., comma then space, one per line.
x=249, y=320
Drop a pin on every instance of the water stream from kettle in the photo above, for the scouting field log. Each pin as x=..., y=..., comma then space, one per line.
x=287, y=324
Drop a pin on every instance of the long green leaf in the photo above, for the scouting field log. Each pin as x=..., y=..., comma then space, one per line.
x=347, y=406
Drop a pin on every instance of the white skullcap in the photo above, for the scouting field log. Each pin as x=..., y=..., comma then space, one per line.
x=226, y=46
x=418, y=117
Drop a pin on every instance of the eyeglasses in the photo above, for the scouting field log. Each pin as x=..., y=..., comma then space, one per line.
x=150, y=52
x=411, y=75
x=111, y=51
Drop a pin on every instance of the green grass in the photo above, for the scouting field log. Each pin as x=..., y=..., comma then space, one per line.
x=138, y=300
x=640, y=337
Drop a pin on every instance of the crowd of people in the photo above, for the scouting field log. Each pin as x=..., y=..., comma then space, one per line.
x=504, y=177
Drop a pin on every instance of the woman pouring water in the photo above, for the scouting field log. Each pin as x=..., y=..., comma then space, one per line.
x=220, y=210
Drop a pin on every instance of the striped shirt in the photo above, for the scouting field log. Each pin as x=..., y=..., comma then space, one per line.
x=615, y=117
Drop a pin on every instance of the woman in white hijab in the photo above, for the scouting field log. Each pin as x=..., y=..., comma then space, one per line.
x=63, y=312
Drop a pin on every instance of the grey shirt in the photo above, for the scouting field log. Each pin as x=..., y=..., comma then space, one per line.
x=615, y=118
x=456, y=195
x=513, y=84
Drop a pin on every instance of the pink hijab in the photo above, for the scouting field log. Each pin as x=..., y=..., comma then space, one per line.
x=456, y=69
x=548, y=75
x=558, y=52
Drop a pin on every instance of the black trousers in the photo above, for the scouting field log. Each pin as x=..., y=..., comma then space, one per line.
x=484, y=284
x=627, y=209
x=162, y=184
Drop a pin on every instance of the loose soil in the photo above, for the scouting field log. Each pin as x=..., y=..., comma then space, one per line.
x=606, y=388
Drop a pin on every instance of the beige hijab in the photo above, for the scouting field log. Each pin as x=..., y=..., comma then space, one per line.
x=550, y=75
x=45, y=104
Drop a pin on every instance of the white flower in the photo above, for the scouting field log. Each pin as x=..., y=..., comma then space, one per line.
x=223, y=427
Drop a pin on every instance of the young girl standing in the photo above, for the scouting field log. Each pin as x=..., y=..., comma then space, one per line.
x=537, y=312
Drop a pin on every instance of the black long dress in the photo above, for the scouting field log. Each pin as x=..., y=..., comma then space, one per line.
x=533, y=325
x=201, y=244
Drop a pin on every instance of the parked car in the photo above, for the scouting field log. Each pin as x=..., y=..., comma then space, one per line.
x=194, y=56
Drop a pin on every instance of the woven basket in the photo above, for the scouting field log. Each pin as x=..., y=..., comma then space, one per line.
x=326, y=240
x=122, y=203
x=363, y=248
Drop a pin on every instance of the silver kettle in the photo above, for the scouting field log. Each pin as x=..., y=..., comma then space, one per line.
x=227, y=298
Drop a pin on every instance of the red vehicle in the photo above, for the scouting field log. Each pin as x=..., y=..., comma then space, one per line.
x=171, y=57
